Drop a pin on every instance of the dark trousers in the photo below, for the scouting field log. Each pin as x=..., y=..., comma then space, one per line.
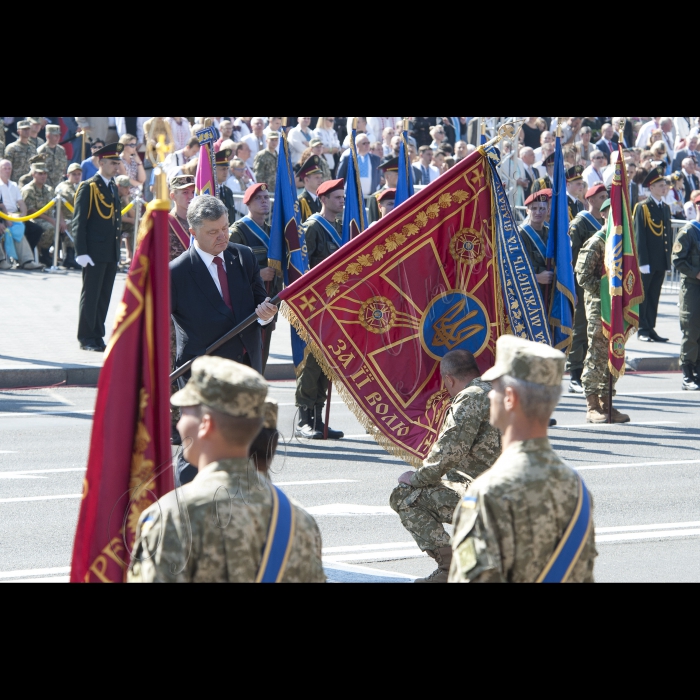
x=579, y=347
x=690, y=322
x=649, y=310
x=312, y=385
x=98, y=282
x=33, y=233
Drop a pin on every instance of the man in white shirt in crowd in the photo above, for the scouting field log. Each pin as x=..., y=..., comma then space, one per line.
x=182, y=131
x=174, y=162
x=376, y=126
x=256, y=141
x=299, y=138
x=594, y=173
x=426, y=172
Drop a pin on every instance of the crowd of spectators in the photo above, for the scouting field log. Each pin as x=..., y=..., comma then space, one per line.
x=37, y=153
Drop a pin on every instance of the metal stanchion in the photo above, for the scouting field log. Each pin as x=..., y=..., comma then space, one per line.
x=57, y=238
x=137, y=223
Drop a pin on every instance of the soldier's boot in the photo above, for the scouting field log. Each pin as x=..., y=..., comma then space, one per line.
x=320, y=426
x=689, y=379
x=69, y=261
x=575, y=386
x=305, y=430
x=443, y=557
x=595, y=413
x=45, y=257
x=617, y=416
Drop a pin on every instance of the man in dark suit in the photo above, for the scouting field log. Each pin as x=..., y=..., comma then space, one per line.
x=606, y=144
x=690, y=177
x=97, y=230
x=690, y=152
x=311, y=175
x=368, y=165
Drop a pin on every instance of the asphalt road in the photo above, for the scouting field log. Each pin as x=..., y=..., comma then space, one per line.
x=644, y=479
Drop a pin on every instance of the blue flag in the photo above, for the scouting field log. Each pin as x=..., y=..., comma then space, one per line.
x=287, y=244
x=355, y=219
x=405, y=187
x=562, y=302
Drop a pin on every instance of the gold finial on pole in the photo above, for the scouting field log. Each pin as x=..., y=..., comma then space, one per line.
x=162, y=150
x=560, y=124
x=406, y=124
x=284, y=121
x=623, y=124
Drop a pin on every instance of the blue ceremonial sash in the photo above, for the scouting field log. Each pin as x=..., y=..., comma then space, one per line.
x=570, y=548
x=591, y=220
x=532, y=235
x=279, y=539
x=696, y=225
x=330, y=229
x=257, y=231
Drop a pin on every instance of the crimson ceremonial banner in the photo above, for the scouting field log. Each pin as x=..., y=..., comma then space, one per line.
x=130, y=463
x=383, y=311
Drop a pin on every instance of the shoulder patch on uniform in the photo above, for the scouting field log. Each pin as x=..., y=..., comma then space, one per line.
x=678, y=248
x=470, y=503
x=466, y=554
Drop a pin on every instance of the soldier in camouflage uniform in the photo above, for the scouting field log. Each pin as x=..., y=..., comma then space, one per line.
x=36, y=195
x=467, y=447
x=2, y=140
x=21, y=151
x=54, y=156
x=590, y=269
x=265, y=163
x=509, y=526
x=229, y=504
x=686, y=259
x=35, y=127
x=68, y=190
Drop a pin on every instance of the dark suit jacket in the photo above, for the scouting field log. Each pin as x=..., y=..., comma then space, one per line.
x=200, y=315
x=681, y=156
x=376, y=174
x=94, y=235
x=691, y=184
x=654, y=251
x=602, y=146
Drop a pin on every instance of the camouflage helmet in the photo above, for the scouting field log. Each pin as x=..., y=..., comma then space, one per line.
x=527, y=361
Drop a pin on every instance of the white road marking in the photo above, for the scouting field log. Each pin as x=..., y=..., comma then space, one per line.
x=341, y=573
x=46, y=413
x=34, y=572
x=11, y=475
x=345, y=510
x=56, y=397
x=57, y=579
x=40, y=498
x=390, y=555
x=585, y=426
x=368, y=548
x=656, y=535
x=315, y=483
x=7, y=452
x=646, y=528
x=635, y=465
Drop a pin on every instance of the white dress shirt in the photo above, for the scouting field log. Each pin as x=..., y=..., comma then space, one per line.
x=11, y=194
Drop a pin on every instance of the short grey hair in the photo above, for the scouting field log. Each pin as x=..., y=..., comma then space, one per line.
x=205, y=208
x=538, y=401
x=459, y=364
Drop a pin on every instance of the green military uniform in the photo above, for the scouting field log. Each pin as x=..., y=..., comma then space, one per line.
x=243, y=234
x=539, y=264
x=265, y=168
x=56, y=163
x=467, y=447
x=308, y=205
x=67, y=191
x=508, y=528
x=97, y=225
x=575, y=207
x=581, y=230
x=374, y=213
x=2, y=140
x=37, y=198
x=19, y=154
x=686, y=260
x=216, y=529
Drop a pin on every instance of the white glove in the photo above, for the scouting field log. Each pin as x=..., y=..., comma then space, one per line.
x=84, y=261
x=645, y=270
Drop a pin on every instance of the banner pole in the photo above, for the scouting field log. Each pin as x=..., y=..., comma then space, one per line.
x=611, y=386
x=328, y=411
x=57, y=238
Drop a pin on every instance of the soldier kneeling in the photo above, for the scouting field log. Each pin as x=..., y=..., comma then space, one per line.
x=467, y=447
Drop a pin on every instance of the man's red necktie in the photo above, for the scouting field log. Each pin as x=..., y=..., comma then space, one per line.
x=223, y=281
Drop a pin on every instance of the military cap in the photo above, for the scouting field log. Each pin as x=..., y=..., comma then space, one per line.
x=696, y=199
x=311, y=167
x=24, y=125
x=73, y=167
x=540, y=196
x=123, y=181
x=390, y=164
x=223, y=157
x=53, y=129
x=273, y=135
x=331, y=186
x=225, y=386
x=39, y=167
x=182, y=182
x=271, y=416
x=530, y=362
x=549, y=160
x=38, y=158
x=110, y=152
x=388, y=195
x=315, y=142
x=253, y=190
x=606, y=205
x=596, y=189
x=575, y=173
x=34, y=120
x=657, y=174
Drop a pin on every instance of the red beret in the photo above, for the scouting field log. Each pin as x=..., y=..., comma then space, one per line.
x=331, y=186
x=541, y=196
x=596, y=189
x=253, y=190
x=696, y=199
x=386, y=194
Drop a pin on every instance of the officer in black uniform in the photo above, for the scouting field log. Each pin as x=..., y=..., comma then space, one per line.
x=97, y=231
x=311, y=175
x=253, y=231
x=575, y=189
x=686, y=259
x=654, y=231
x=322, y=240
x=390, y=168
x=223, y=172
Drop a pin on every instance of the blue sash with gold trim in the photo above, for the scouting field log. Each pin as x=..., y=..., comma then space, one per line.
x=256, y=231
x=279, y=539
x=329, y=229
x=591, y=220
x=534, y=237
x=696, y=225
x=570, y=548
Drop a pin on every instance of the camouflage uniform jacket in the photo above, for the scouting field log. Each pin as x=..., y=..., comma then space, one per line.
x=36, y=199
x=590, y=267
x=265, y=168
x=581, y=230
x=686, y=254
x=56, y=163
x=468, y=444
x=19, y=154
x=67, y=191
x=229, y=507
x=515, y=516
